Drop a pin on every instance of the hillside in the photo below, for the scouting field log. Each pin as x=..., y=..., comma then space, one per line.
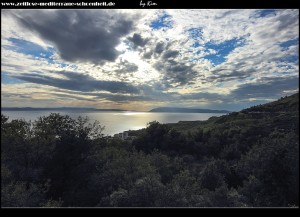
x=244, y=159
x=280, y=114
x=285, y=104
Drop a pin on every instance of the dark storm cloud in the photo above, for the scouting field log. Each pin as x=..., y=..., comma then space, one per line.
x=147, y=55
x=170, y=54
x=80, y=35
x=175, y=73
x=124, y=98
x=147, y=93
x=159, y=48
x=14, y=66
x=288, y=20
x=235, y=71
x=137, y=40
x=202, y=95
x=78, y=82
x=126, y=67
x=270, y=87
x=124, y=70
x=230, y=76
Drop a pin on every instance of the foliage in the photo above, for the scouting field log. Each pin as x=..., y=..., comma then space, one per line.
x=245, y=159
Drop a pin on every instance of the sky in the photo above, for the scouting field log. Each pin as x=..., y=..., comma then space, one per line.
x=143, y=59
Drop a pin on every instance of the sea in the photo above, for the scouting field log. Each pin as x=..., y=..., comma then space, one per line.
x=117, y=122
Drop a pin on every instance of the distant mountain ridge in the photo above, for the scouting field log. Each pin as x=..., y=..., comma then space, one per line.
x=187, y=110
x=56, y=109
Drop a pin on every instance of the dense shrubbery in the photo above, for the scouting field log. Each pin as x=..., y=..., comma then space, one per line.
x=231, y=161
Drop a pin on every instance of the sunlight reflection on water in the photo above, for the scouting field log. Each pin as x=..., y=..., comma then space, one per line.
x=116, y=122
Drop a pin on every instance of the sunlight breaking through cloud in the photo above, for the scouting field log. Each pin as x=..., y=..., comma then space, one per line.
x=127, y=58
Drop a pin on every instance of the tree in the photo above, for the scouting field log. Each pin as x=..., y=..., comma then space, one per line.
x=274, y=162
x=214, y=174
x=184, y=190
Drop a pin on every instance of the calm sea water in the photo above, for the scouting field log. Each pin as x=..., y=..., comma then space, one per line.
x=116, y=122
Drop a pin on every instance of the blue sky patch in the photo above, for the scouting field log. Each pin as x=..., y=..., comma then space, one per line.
x=289, y=43
x=267, y=12
x=196, y=34
x=215, y=59
x=63, y=65
x=162, y=22
x=196, y=44
x=222, y=49
x=6, y=79
x=29, y=48
x=291, y=59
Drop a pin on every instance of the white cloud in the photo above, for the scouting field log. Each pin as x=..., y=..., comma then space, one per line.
x=259, y=55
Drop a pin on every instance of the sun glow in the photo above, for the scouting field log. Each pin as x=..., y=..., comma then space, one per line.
x=134, y=113
x=145, y=71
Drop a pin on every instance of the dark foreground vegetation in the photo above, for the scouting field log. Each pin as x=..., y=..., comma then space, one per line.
x=244, y=159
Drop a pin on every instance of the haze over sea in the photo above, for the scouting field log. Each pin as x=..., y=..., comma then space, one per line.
x=116, y=122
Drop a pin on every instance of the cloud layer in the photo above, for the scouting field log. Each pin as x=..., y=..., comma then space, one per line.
x=226, y=59
x=78, y=82
x=79, y=35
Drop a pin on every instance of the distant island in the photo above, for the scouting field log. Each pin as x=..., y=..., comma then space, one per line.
x=187, y=110
x=59, y=109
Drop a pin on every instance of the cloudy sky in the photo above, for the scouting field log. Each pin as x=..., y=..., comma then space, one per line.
x=142, y=59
